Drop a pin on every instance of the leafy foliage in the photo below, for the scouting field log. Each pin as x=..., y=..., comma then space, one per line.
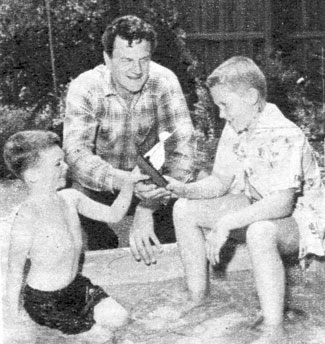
x=77, y=27
x=24, y=46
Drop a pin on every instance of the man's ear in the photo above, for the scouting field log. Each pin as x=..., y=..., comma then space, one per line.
x=107, y=60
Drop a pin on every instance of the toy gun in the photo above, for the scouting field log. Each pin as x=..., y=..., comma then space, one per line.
x=147, y=168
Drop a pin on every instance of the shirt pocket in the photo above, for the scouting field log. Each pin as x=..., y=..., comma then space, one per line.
x=107, y=134
x=145, y=127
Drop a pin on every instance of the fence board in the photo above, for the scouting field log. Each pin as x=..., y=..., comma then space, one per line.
x=217, y=29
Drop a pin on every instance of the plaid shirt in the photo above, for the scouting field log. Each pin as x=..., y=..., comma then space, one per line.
x=102, y=134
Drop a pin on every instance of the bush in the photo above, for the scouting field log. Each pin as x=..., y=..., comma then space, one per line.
x=298, y=95
x=24, y=46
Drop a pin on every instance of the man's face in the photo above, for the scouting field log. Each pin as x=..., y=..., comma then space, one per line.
x=234, y=107
x=129, y=65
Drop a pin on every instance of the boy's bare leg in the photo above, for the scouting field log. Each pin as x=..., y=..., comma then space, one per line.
x=266, y=240
x=191, y=243
x=190, y=216
x=110, y=313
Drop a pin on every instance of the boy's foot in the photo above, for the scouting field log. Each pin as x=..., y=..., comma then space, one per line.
x=294, y=315
x=256, y=323
x=270, y=334
x=291, y=315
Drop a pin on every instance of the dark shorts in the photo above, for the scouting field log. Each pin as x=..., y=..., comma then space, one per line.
x=70, y=310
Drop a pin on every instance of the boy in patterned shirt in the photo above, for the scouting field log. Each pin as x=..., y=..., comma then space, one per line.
x=265, y=179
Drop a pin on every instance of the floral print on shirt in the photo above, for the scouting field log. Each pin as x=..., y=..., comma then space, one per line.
x=275, y=156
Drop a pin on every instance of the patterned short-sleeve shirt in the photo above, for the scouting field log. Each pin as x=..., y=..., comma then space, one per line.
x=275, y=155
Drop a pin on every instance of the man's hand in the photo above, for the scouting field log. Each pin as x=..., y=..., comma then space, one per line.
x=217, y=238
x=141, y=233
x=136, y=175
x=150, y=191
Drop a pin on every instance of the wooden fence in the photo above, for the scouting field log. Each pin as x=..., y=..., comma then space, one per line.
x=218, y=29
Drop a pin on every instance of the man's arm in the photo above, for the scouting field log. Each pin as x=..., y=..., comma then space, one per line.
x=79, y=136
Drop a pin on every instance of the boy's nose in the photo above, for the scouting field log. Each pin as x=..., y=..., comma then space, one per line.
x=65, y=166
x=222, y=114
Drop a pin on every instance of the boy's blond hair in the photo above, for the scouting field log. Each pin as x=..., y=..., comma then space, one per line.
x=238, y=73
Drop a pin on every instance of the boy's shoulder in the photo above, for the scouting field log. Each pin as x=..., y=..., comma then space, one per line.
x=26, y=213
x=70, y=194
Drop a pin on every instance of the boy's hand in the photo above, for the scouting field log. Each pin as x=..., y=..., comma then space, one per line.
x=150, y=191
x=216, y=239
x=176, y=187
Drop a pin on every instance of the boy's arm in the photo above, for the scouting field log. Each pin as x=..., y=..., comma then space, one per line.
x=277, y=205
x=212, y=186
x=21, y=239
x=119, y=208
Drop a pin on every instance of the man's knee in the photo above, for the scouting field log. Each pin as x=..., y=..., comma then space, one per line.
x=261, y=234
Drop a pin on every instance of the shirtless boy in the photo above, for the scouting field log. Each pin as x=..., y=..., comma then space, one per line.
x=46, y=230
x=266, y=179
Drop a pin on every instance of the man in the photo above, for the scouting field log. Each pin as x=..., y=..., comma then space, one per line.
x=265, y=180
x=118, y=110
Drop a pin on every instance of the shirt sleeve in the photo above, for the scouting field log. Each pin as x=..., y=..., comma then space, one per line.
x=226, y=161
x=79, y=134
x=174, y=117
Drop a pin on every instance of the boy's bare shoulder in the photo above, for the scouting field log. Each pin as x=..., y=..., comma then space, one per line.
x=70, y=194
x=26, y=213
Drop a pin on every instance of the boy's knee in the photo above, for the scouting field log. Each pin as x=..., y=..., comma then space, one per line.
x=180, y=206
x=261, y=234
x=110, y=313
x=181, y=210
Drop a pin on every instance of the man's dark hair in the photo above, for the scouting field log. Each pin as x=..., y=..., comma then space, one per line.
x=22, y=150
x=130, y=28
